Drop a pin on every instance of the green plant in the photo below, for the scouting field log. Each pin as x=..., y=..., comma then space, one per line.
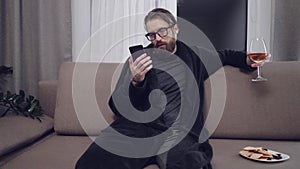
x=19, y=103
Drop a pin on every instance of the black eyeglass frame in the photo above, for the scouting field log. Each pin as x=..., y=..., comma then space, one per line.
x=157, y=33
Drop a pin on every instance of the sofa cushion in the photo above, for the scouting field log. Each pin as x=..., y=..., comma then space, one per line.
x=18, y=131
x=55, y=152
x=259, y=110
x=226, y=154
x=82, y=96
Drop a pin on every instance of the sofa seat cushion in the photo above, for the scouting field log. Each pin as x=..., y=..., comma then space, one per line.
x=226, y=154
x=17, y=131
x=54, y=152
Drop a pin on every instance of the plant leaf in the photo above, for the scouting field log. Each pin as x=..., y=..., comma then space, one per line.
x=33, y=106
x=12, y=97
x=22, y=93
x=18, y=100
x=30, y=98
x=24, y=106
x=8, y=93
x=18, y=103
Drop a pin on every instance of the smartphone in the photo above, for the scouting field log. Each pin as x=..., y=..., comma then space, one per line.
x=136, y=51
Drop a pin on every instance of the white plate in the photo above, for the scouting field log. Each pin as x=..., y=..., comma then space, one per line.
x=284, y=157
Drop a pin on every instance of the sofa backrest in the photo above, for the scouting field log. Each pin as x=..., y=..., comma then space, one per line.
x=252, y=110
x=82, y=96
x=259, y=110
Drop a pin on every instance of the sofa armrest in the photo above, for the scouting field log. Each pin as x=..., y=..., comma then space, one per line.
x=47, y=96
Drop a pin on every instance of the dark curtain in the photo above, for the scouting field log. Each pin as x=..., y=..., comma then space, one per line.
x=35, y=38
x=286, y=39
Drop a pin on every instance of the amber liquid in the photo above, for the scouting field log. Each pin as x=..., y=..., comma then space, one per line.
x=257, y=57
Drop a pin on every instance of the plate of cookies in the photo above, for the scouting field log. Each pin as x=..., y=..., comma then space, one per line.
x=263, y=154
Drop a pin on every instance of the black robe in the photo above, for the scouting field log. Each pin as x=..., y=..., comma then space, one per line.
x=172, y=77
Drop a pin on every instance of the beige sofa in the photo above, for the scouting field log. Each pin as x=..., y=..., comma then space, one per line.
x=258, y=114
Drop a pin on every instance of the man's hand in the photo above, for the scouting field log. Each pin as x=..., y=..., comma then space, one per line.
x=253, y=64
x=140, y=67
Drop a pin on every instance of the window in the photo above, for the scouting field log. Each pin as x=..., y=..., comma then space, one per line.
x=104, y=29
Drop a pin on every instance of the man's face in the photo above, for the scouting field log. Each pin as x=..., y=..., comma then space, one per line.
x=169, y=41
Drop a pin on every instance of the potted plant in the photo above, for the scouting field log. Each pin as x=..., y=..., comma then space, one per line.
x=18, y=103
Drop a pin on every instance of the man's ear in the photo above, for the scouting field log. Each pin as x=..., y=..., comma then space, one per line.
x=176, y=29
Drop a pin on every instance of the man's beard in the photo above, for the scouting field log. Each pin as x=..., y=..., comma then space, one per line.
x=168, y=46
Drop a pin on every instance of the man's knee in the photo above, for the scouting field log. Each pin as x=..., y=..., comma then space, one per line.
x=90, y=158
x=81, y=164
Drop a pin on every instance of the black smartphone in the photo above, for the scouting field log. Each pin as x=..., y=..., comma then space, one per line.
x=136, y=51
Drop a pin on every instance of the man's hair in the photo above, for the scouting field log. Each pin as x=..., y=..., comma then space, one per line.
x=160, y=13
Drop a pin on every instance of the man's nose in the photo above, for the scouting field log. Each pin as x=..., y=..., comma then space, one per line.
x=157, y=37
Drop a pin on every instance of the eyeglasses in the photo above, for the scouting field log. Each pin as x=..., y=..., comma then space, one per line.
x=162, y=32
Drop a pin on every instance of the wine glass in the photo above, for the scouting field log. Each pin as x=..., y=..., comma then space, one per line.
x=258, y=54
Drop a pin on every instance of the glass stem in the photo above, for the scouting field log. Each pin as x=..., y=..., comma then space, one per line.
x=258, y=72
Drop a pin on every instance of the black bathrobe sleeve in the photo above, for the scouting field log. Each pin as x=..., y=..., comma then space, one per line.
x=206, y=62
x=131, y=97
